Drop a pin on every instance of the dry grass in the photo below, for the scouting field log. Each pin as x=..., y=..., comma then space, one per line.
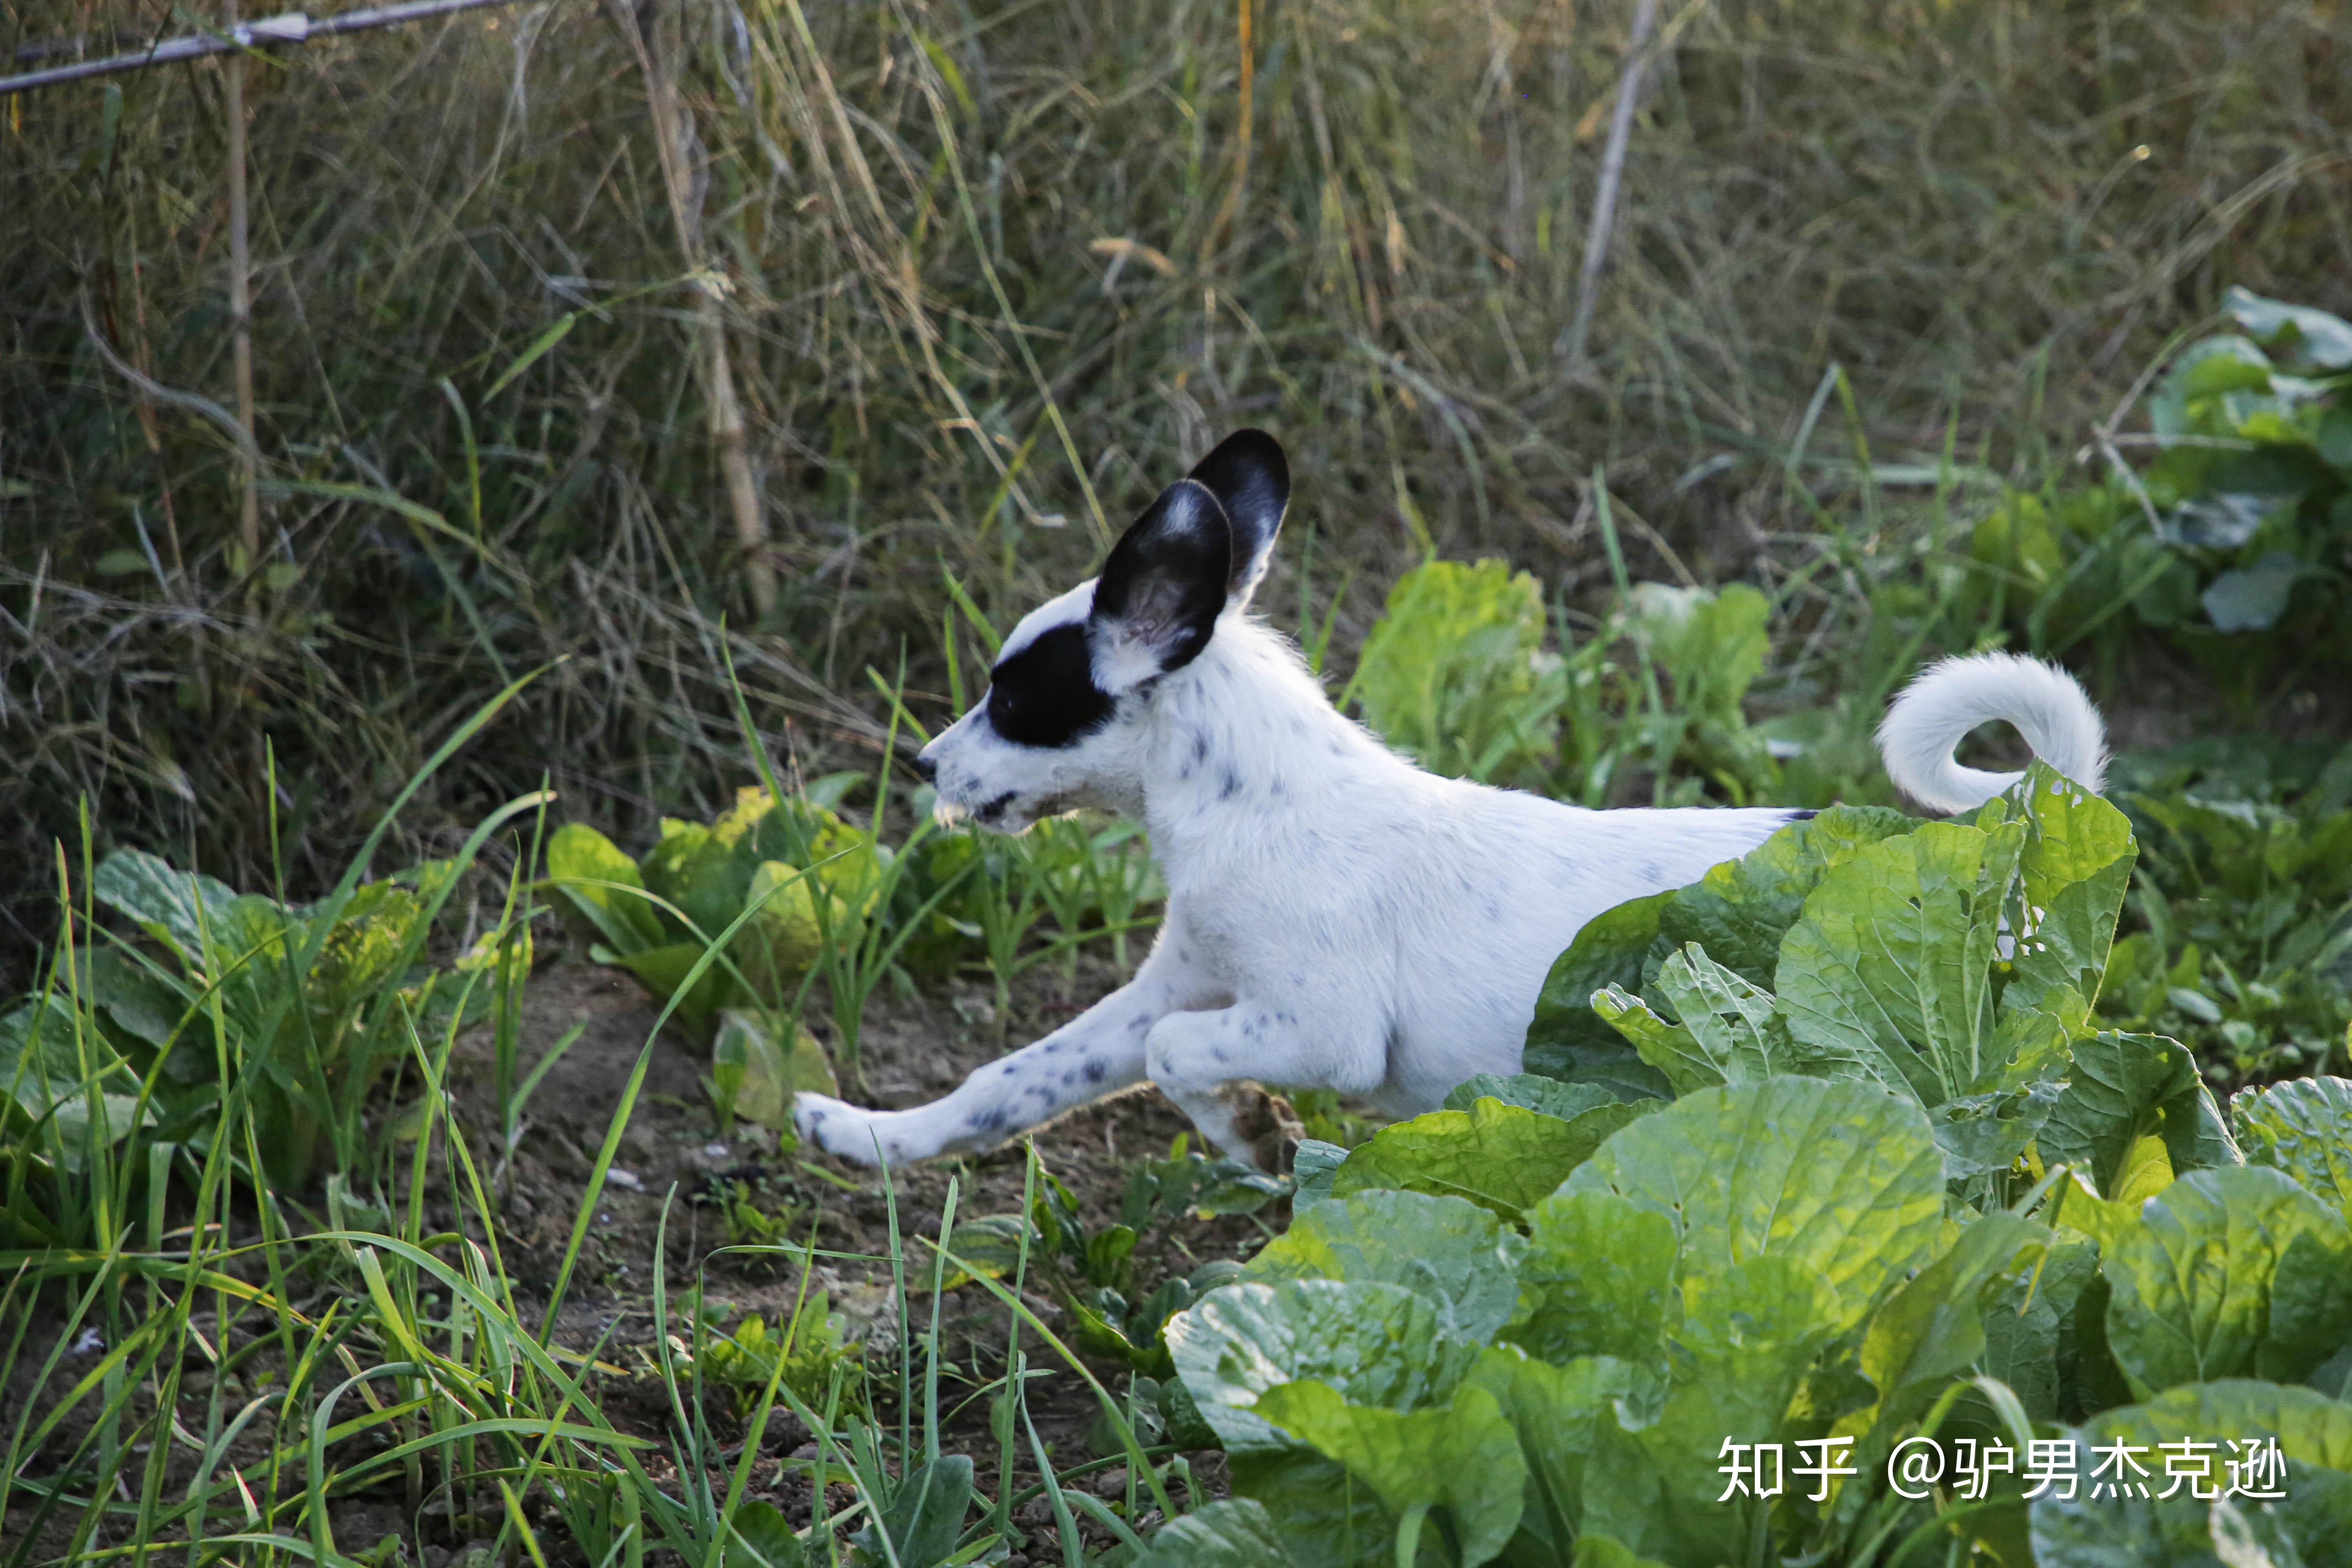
x=986, y=275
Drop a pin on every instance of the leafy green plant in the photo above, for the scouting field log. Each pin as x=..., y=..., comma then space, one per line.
x=1455, y=672
x=2243, y=901
x=655, y=918
x=808, y=1352
x=926, y=903
x=748, y=1222
x=1954, y=962
x=212, y=1000
x=1710, y=644
x=1838, y=1161
x=754, y=1074
x=1778, y=1261
x=2232, y=542
x=1086, y=871
x=1092, y=1271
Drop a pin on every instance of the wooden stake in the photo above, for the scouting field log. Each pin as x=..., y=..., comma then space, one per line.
x=728, y=432
x=1571, y=346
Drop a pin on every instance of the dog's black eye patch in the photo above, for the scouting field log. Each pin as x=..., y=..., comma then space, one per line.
x=1046, y=695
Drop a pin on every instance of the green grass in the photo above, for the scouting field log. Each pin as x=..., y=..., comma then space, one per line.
x=991, y=276
x=1884, y=282
x=208, y=1363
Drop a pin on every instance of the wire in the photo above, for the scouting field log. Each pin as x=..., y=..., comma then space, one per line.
x=288, y=27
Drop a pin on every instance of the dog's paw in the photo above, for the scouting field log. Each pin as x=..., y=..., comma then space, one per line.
x=1265, y=1125
x=837, y=1128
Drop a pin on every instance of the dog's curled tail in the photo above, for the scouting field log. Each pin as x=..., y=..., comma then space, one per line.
x=1949, y=699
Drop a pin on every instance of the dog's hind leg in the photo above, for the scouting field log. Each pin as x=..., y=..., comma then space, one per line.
x=1207, y=1061
x=1099, y=1052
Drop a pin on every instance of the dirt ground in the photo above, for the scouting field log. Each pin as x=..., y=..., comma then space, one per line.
x=672, y=1154
x=913, y=1049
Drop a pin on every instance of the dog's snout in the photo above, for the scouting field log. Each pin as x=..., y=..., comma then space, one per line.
x=925, y=768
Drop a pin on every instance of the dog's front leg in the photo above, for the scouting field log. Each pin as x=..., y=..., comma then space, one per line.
x=1099, y=1052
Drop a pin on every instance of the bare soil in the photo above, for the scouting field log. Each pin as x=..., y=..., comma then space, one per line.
x=673, y=1161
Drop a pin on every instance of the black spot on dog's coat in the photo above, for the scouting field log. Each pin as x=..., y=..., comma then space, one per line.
x=1046, y=695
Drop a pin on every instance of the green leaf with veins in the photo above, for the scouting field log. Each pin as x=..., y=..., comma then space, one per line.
x=2121, y=1087
x=1843, y=1177
x=1502, y=1157
x=1451, y=1251
x=2303, y=1126
x=1547, y=1095
x=578, y=857
x=1376, y=1345
x=1597, y=1279
x=2072, y=870
x=1666, y=1046
x=1749, y=1332
x=1321, y=1516
x=1931, y=1329
x=1889, y=966
x=2311, y=1525
x=2026, y=1320
x=2229, y=1272
x=1740, y=910
x=1232, y=1532
x=180, y=909
x=1558, y=1412
x=1565, y=1040
x=1463, y=1457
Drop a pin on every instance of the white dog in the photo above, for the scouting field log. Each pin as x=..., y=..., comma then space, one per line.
x=1337, y=918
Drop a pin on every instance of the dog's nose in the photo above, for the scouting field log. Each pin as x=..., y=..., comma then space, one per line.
x=926, y=769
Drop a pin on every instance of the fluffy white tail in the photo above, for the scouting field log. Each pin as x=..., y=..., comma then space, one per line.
x=1949, y=699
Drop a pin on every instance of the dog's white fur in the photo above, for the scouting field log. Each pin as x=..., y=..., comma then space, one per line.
x=1956, y=696
x=1337, y=918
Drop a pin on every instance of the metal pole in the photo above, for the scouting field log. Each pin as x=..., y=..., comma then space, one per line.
x=290, y=28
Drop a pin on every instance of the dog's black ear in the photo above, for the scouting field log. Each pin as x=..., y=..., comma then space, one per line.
x=1160, y=593
x=1251, y=480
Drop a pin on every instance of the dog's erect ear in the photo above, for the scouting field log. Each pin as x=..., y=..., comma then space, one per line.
x=1251, y=480
x=1162, y=589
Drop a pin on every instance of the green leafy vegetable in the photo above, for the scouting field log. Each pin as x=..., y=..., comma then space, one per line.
x=2229, y=1272
x=1454, y=671
x=1451, y=1252
x=2303, y=1126
x=1598, y=1276
x=1463, y=1457
x=1376, y=1344
x=1843, y=1178
x=1502, y=1157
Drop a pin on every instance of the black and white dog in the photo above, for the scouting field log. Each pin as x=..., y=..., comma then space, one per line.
x=1337, y=918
